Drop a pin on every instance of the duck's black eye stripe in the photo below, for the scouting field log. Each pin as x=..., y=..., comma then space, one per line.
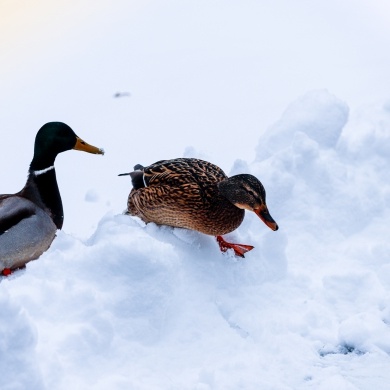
x=253, y=193
x=249, y=191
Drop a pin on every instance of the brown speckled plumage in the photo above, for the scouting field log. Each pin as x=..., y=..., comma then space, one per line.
x=185, y=193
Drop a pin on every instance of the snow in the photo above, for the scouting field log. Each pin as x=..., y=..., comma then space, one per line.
x=139, y=306
x=117, y=304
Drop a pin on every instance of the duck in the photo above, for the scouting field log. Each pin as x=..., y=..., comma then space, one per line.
x=195, y=194
x=30, y=218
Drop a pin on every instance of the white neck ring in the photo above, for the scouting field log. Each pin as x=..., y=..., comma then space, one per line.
x=42, y=171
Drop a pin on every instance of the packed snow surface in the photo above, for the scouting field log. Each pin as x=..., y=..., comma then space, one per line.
x=138, y=306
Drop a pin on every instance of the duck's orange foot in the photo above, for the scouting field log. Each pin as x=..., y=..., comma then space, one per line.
x=239, y=249
x=9, y=271
x=6, y=272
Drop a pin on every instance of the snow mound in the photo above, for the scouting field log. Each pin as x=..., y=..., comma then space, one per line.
x=140, y=306
x=314, y=120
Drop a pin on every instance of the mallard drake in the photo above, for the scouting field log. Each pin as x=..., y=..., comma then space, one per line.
x=195, y=194
x=30, y=218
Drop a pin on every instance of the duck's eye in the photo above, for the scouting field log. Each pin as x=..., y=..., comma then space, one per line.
x=250, y=192
x=253, y=194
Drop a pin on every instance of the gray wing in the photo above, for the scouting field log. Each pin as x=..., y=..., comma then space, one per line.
x=13, y=210
x=26, y=231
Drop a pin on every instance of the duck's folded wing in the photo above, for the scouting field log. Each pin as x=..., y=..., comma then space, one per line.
x=180, y=171
x=14, y=209
x=26, y=231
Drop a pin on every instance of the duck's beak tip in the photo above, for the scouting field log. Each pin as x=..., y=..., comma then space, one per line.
x=265, y=216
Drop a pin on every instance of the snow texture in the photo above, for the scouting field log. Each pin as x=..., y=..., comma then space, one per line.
x=139, y=306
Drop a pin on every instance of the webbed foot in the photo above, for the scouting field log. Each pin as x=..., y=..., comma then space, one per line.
x=9, y=271
x=6, y=272
x=239, y=249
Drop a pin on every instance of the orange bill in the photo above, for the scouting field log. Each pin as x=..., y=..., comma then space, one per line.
x=84, y=147
x=265, y=216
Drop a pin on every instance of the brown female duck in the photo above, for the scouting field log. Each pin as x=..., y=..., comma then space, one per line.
x=195, y=194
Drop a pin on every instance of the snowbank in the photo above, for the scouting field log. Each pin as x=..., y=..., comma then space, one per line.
x=145, y=307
